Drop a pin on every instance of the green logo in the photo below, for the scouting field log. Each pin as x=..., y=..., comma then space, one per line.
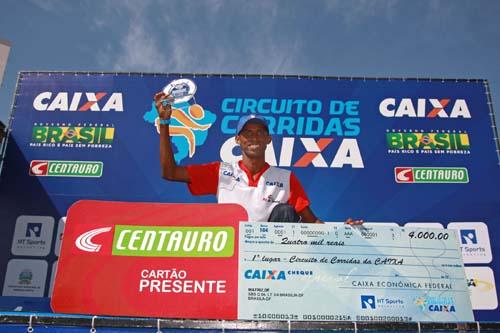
x=66, y=168
x=428, y=141
x=431, y=175
x=149, y=241
x=73, y=134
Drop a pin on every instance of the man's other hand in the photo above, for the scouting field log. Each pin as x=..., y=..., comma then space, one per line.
x=350, y=221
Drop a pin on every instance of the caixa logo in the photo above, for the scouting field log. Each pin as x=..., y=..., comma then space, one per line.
x=424, y=108
x=230, y=174
x=264, y=274
x=78, y=101
x=436, y=304
x=347, y=153
x=275, y=183
x=84, y=241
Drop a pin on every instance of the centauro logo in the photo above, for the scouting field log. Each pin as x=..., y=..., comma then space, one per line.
x=430, y=175
x=84, y=241
x=424, y=108
x=152, y=241
x=66, y=168
x=78, y=101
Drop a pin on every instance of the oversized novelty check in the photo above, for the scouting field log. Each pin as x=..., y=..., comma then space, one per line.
x=337, y=272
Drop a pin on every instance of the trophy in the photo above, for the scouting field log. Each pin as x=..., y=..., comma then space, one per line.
x=178, y=91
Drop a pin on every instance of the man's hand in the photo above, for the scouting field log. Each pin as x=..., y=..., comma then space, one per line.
x=164, y=111
x=350, y=221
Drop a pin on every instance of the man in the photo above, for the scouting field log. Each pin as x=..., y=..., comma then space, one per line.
x=267, y=193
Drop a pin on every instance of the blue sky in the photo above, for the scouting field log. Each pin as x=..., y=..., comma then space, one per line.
x=372, y=38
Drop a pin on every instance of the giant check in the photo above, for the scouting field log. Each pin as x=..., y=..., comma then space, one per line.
x=337, y=272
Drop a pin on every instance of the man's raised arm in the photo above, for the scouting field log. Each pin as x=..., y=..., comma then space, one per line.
x=169, y=169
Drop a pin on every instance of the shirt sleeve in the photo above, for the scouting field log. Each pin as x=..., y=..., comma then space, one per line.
x=204, y=178
x=298, y=197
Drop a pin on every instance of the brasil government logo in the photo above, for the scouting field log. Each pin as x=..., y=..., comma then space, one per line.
x=189, y=122
x=427, y=142
x=71, y=136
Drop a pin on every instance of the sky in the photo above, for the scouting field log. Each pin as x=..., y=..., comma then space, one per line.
x=360, y=38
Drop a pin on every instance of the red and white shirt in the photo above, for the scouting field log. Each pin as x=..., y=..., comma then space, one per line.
x=233, y=183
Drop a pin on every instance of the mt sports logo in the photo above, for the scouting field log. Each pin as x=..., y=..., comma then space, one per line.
x=34, y=230
x=368, y=302
x=78, y=101
x=189, y=122
x=474, y=241
x=468, y=236
x=372, y=302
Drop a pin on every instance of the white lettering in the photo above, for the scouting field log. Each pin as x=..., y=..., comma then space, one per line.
x=119, y=242
x=348, y=153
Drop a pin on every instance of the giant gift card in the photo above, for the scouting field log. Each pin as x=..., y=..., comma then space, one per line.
x=149, y=259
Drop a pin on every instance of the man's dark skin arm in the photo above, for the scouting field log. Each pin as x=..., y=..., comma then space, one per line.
x=169, y=169
x=307, y=216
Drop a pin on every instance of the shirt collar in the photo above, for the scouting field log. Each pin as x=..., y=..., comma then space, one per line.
x=253, y=180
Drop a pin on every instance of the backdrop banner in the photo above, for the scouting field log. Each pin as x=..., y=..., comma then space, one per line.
x=420, y=153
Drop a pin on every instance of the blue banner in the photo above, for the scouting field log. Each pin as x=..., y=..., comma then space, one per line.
x=409, y=152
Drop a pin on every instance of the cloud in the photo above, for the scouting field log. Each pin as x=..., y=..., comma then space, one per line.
x=209, y=37
x=226, y=37
x=54, y=6
x=140, y=51
x=202, y=37
x=135, y=48
x=355, y=12
x=239, y=37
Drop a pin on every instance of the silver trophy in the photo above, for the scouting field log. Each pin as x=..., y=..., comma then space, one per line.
x=178, y=91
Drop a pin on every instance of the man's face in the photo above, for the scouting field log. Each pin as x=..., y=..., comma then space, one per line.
x=253, y=140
